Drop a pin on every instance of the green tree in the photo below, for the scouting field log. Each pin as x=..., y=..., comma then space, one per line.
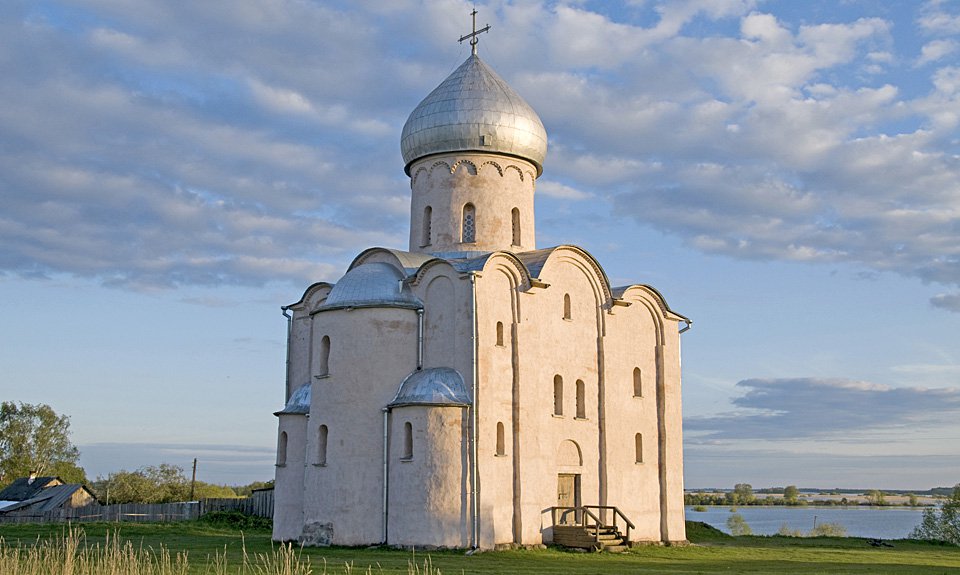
x=912, y=500
x=247, y=490
x=34, y=439
x=876, y=497
x=164, y=483
x=743, y=493
x=738, y=525
x=943, y=523
x=790, y=494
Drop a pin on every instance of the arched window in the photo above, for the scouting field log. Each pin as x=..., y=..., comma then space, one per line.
x=407, y=441
x=566, y=306
x=469, y=233
x=557, y=395
x=515, y=217
x=637, y=382
x=581, y=400
x=323, y=367
x=638, y=446
x=500, y=333
x=501, y=450
x=322, y=445
x=427, y=226
x=282, y=449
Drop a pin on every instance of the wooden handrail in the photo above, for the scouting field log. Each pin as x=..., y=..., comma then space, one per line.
x=585, y=512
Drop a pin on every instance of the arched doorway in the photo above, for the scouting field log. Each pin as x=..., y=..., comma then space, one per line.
x=569, y=464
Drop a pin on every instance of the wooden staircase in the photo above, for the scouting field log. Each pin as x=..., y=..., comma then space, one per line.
x=582, y=528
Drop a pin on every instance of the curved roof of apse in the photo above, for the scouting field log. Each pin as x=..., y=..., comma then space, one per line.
x=375, y=284
x=299, y=402
x=438, y=386
x=474, y=110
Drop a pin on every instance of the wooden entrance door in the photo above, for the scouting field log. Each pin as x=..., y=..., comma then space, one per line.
x=568, y=495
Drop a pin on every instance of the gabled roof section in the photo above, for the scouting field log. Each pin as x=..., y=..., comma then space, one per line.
x=308, y=292
x=49, y=498
x=24, y=488
x=536, y=260
x=409, y=262
x=619, y=292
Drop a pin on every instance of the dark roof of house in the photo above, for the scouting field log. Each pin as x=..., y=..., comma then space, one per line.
x=22, y=489
x=48, y=499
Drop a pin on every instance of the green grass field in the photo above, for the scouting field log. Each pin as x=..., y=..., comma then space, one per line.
x=207, y=546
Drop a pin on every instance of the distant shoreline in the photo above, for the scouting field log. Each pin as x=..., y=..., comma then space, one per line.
x=833, y=498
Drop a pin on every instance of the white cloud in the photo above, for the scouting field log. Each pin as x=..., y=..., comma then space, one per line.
x=936, y=50
x=936, y=18
x=798, y=408
x=197, y=142
x=561, y=191
x=947, y=301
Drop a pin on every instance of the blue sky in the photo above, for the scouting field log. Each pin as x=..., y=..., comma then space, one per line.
x=786, y=173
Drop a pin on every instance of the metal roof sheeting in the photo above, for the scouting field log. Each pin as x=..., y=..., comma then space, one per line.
x=437, y=386
x=474, y=109
x=375, y=284
x=299, y=402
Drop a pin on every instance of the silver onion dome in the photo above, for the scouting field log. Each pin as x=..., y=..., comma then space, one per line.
x=474, y=110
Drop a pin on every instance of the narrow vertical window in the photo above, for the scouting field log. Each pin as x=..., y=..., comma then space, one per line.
x=581, y=400
x=566, y=306
x=515, y=217
x=322, y=445
x=407, y=441
x=469, y=233
x=501, y=450
x=500, y=333
x=557, y=395
x=638, y=446
x=282, y=449
x=323, y=368
x=427, y=225
x=637, y=382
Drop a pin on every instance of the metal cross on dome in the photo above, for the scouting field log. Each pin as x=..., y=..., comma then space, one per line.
x=473, y=35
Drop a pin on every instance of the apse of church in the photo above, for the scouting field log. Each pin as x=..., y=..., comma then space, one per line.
x=473, y=390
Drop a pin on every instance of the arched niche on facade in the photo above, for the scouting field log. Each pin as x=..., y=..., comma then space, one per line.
x=569, y=455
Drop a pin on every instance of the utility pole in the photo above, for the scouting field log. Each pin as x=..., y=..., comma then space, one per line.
x=193, y=480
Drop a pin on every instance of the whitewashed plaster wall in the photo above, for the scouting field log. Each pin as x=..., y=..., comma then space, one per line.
x=494, y=184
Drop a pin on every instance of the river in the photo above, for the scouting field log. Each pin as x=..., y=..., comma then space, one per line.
x=873, y=522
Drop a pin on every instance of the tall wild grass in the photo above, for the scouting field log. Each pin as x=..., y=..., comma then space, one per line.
x=71, y=554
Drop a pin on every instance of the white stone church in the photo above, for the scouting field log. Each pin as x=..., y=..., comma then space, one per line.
x=475, y=391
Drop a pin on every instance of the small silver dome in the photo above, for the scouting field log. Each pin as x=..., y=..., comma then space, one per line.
x=474, y=110
x=432, y=386
x=375, y=284
x=299, y=402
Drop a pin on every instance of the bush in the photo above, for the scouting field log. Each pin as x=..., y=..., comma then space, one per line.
x=829, y=530
x=699, y=508
x=787, y=532
x=236, y=520
x=738, y=525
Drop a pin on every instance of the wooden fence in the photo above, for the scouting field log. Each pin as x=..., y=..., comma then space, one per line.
x=260, y=504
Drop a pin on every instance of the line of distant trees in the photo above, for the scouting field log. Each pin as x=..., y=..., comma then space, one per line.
x=743, y=494
x=34, y=439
